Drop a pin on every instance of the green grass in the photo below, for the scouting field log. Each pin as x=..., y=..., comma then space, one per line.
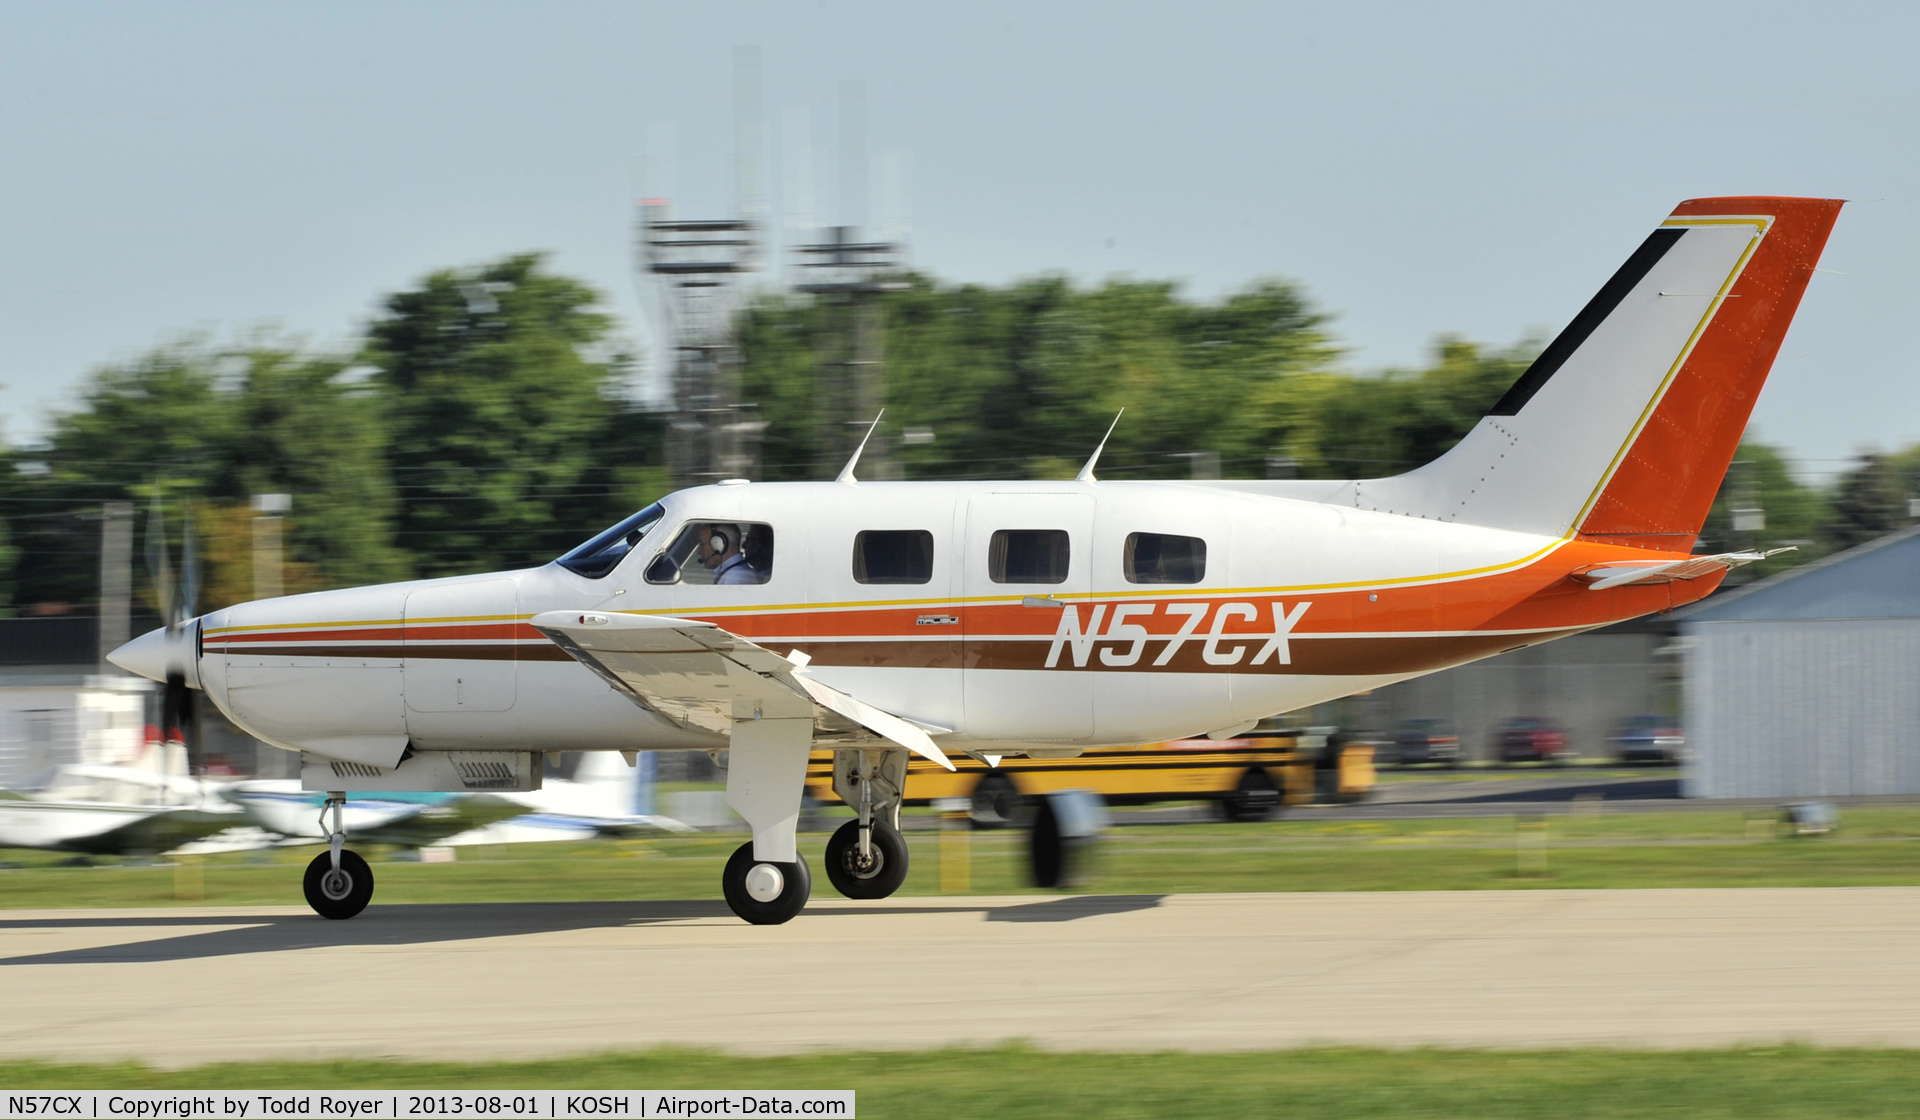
x=1309, y=850
x=1009, y=1083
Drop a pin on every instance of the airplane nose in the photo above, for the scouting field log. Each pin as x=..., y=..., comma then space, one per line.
x=145, y=655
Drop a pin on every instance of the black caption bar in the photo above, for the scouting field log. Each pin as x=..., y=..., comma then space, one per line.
x=366, y=1104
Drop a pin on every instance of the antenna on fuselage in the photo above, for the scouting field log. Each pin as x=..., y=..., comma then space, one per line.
x=846, y=472
x=1086, y=472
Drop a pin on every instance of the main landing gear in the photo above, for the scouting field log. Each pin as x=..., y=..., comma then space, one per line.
x=867, y=856
x=767, y=881
x=338, y=884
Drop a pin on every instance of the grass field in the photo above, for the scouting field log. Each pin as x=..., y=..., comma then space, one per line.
x=1011, y=1083
x=1307, y=851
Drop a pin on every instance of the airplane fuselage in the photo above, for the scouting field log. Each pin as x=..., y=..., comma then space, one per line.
x=1051, y=642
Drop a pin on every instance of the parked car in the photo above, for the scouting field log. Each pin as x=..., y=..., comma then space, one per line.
x=1649, y=739
x=1417, y=741
x=1532, y=739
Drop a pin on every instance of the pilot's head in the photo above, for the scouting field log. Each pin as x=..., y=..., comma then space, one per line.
x=717, y=542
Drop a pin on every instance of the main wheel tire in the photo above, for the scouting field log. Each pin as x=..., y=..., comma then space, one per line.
x=796, y=883
x=1254, y=798
x=996, y=802
x=877, y=879
x=341, y=894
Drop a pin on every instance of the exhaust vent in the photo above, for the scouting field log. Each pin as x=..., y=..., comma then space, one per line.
x=428, y=772
x=487, y=774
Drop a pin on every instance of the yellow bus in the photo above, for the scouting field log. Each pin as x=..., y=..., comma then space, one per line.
x=1249, y=777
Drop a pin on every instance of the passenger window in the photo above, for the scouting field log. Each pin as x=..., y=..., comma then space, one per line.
x=893, y=556
x=1028, y=556
x=1164, y=558
x=722, y=552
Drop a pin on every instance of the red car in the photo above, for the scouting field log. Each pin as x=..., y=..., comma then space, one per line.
x=1532, y=739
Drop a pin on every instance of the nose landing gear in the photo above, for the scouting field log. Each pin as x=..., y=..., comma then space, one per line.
x=763, y=892
x=338, y=883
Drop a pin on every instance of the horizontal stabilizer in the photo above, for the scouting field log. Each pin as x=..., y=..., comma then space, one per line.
x=1605, y=576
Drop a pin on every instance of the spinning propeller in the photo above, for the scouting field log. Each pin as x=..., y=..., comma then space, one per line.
x=167, y=655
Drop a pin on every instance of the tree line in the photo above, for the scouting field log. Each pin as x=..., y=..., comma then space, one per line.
x=485, y=420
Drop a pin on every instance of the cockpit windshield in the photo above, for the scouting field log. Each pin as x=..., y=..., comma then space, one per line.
x=603, y=553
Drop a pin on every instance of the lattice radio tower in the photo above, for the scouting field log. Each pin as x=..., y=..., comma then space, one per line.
x=699, y=268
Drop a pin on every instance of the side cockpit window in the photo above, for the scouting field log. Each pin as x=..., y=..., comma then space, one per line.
x=1028, y=556
x=893, y=556
x=604, y=552
x=1164, y=558
x=716, y=552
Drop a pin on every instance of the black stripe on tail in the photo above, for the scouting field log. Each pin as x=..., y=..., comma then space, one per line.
x=1588, y=321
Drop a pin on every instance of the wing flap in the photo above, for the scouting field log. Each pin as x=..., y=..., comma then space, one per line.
x=702, y=677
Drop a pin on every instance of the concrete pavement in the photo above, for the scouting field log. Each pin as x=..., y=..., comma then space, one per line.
x=1642, y=968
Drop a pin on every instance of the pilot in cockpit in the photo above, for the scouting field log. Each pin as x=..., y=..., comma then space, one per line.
x=719, y=551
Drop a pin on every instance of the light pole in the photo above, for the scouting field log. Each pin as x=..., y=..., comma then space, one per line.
x=268, y=544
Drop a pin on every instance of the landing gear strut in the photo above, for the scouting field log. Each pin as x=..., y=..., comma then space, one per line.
x=338, y=883
x=767, y=882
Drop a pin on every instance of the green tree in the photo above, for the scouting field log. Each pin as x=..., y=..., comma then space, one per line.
x=499, y=403
x=1869, y=501
x=305, y=427
x=1022, y=380
x=1340, y=426
x=210, y=426
x=160, y=423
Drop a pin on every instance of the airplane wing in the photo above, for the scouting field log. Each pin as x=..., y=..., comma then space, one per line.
x=702, y=678
x=125, y=833
x=1602, y=576
x=435, y=823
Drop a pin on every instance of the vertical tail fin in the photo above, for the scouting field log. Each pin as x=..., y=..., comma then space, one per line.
x=1624, y=426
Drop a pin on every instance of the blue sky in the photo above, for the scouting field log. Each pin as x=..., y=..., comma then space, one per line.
x=1470, y=168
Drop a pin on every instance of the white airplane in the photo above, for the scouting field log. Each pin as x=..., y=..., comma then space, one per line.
x=410, y=820
x=996, y=618
x=112, y=810
x=598, y=800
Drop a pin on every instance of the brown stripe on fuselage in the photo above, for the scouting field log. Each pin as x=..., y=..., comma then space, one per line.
x=1310, y=655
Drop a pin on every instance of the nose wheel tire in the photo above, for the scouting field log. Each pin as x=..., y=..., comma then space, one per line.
x=338, y=894
x=764, y=893
x=875, y=877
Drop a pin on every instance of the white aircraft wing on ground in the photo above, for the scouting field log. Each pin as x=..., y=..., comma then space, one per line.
x=410, y=820
x=112, y=810
x=702, y=677
x=599, y=799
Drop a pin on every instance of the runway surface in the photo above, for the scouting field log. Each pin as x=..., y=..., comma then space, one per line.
x=1658, y=968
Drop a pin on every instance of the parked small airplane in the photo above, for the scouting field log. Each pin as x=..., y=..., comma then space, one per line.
x=409, y=820
x=112, y=810
x=996, y=618
x=596, y=801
